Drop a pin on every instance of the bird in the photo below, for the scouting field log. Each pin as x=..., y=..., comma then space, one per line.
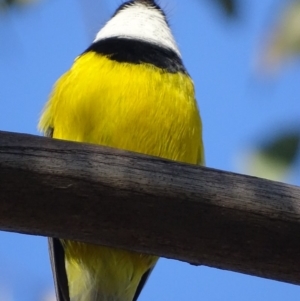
x=128, y=90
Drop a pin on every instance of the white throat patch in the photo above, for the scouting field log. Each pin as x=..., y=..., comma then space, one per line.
x=140, y=22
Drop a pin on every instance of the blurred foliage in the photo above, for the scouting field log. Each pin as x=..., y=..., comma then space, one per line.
x=274, y=159
x=229, y=6
x=6, y=4
x=283, y=148
x=284, y=42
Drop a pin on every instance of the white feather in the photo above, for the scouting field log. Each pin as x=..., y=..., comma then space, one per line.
x=140, y=21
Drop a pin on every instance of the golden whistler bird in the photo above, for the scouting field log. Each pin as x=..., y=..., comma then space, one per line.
x=128, y=90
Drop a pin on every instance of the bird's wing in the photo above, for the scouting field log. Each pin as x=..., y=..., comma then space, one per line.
x=57, y=257
x=142, y=283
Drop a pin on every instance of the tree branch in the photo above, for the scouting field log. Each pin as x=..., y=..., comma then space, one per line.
x=126, y=200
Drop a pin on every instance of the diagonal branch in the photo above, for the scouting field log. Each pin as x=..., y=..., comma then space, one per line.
x=117, y=198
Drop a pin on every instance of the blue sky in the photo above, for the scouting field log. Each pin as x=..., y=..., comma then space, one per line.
x=39, y=43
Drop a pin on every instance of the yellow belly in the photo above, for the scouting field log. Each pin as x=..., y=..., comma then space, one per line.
x=97, y=273
x=133, y=107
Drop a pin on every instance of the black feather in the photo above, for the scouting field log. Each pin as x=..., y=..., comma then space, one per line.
x=142, y=284
x=57, y=257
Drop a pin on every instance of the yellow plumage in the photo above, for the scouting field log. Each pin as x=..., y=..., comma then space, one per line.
x=139, y=108
x=100, y=273
x=129, y=90
x=136, y=107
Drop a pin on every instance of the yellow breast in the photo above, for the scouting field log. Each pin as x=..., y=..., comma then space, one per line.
x=135, y=107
